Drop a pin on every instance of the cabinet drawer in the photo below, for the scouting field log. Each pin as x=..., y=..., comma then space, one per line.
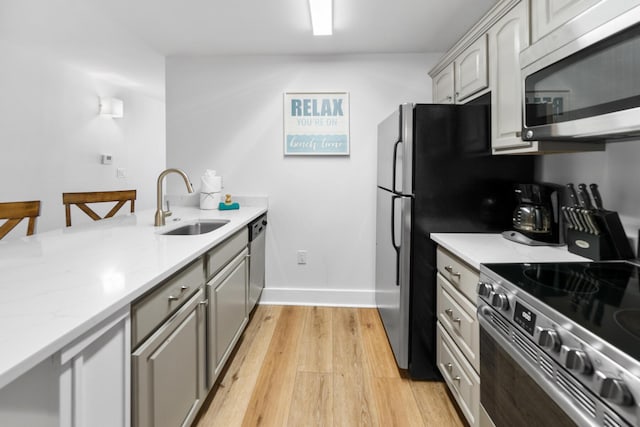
x=462, y=381
x=458, y=316
x=149, y=312
x=220, y=256
x=463, y=277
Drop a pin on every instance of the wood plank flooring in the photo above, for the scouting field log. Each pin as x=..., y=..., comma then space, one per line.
x=321, y=366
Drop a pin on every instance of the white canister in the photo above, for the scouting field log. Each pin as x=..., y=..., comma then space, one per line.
x=209, y=201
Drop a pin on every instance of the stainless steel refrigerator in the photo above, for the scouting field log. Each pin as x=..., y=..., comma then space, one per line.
x=435, y=174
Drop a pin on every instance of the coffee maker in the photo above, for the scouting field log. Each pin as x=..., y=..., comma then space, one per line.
x=536, y=218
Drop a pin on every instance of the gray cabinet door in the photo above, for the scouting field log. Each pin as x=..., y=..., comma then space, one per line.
x=168, y=370
x=227, y=313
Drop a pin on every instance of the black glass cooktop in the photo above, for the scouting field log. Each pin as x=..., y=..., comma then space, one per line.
x=603, y=297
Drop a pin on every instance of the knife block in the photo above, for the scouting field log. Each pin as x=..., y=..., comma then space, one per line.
x=595, y=247
x=612, y=242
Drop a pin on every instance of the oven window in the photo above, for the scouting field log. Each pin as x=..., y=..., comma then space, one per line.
x=600, y=79
x=509, y=395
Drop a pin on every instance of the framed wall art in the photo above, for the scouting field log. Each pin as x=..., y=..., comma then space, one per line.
x=316, y=124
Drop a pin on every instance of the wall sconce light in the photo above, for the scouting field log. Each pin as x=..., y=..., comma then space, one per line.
x=112, y=107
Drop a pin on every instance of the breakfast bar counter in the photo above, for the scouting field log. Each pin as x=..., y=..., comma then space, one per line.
x=57, y=285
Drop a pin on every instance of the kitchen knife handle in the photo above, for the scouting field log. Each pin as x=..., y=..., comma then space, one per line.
x=567, y=217
x=593, y=223
x=573, y=196
x=596, y=195
x=585, y=199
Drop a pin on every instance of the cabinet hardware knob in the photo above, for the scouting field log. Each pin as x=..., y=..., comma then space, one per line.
x=183, y=288
x=204, y=302
x=449, y=367
x=172, y=298
x=457, y=320
x=456, y=378
x=449, y=269
x=449, y=312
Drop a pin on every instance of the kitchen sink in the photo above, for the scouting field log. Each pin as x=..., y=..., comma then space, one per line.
x=200, y=227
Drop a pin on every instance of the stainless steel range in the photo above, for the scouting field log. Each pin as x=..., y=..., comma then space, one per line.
x=560, y=343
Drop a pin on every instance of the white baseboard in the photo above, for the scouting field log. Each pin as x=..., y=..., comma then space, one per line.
x=320, y=297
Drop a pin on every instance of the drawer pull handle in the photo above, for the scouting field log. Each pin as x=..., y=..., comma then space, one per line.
x=449, y=269
x=449, y=367
x=204, y=302
x=172, y=298
x=183, y=288
x=449, y=312
x=457, y=320
x=456, y=378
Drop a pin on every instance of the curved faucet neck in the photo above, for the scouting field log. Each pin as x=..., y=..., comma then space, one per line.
x=161, y=214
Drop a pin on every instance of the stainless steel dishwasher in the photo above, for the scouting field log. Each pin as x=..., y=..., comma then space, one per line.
x=257, y=236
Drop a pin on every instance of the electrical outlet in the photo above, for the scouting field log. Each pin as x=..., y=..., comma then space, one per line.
x=302, y=257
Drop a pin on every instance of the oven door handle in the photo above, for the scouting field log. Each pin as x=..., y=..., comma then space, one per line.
x=561, y=399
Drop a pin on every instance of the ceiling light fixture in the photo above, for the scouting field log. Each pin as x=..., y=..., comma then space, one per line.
x=321, y=17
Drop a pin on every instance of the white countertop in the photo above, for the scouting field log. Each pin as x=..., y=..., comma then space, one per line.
x=478, y=248
x=55, y=286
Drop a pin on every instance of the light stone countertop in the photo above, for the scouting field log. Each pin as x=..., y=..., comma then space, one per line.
x=55, y=286
x=482, y=248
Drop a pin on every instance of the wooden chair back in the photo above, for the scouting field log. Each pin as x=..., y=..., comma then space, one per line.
x=14, y=212
x=81, y=200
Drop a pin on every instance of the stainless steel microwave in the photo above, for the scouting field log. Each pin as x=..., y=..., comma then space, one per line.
x=589, y=88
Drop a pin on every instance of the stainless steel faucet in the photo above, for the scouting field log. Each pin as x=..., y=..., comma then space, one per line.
x=161, y=214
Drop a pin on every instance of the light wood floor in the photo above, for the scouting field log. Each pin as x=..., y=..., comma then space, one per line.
x=321, y=366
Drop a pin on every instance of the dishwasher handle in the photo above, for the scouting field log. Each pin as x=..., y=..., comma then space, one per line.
x=257, y=227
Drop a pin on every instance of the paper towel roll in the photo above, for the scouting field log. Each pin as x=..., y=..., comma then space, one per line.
x=209, y=201
x=211, y=184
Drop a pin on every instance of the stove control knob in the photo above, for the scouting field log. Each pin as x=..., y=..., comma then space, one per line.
x=484, y=289
x=549, y=339
x=499, y=300
x=575, y=360
x=613, y=389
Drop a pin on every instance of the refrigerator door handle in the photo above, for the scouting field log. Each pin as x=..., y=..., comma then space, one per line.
x=393, y=237
x=395, y=164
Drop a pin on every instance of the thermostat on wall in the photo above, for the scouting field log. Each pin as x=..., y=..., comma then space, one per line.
x=107, y=159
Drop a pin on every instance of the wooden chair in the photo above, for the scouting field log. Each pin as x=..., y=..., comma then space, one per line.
x=14, y=212
x=81, y=199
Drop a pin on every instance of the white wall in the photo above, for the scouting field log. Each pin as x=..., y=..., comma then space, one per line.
x=616, y=172
x=225, y=113
x=51, y=135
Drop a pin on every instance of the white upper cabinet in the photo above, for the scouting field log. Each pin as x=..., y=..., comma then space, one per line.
x=547, y=15
x=556, y=23
x=471, y=74
x=443, y=90
x=490, y=57
x=506, y=39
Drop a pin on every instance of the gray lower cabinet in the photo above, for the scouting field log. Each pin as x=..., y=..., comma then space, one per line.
x=168, y=369
x=183, y=333
x=227, y=317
